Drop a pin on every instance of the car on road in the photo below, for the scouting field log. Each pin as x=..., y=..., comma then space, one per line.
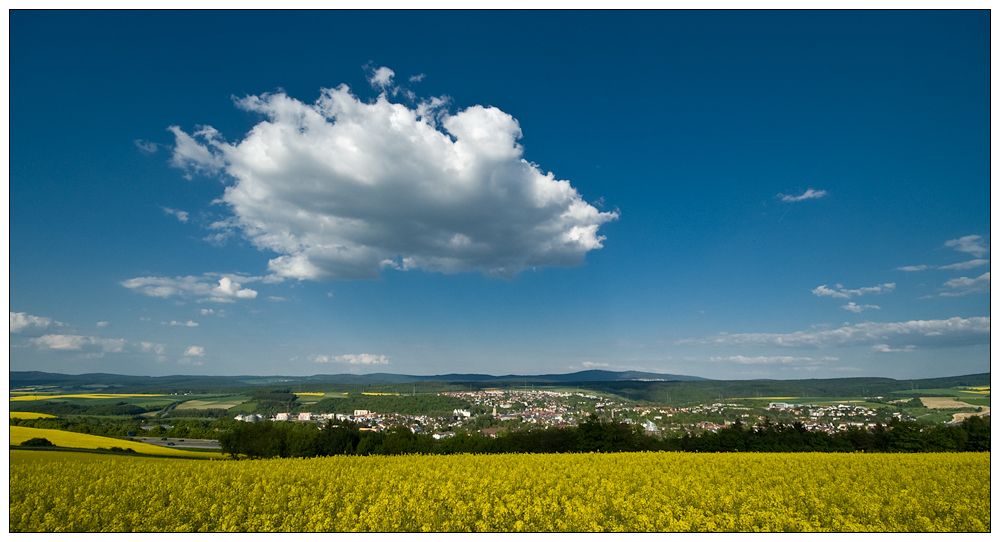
x=170, y=444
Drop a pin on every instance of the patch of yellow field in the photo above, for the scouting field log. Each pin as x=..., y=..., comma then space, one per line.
x=375, y=393
x=83, y=396
x=69, y=439
x=30, y=415
x=318, y=394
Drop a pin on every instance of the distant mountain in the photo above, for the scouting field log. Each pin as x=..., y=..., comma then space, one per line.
x=20, y=379
x=635, y=385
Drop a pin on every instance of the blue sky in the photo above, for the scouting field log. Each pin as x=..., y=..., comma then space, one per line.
x=720, y=194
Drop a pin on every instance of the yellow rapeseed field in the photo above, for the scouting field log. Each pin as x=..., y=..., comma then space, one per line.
x=30, y=415
x=70, y=439
x=316, y=393
x=636, y=492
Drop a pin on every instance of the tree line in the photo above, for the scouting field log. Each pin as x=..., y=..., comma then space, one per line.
x=276, y=439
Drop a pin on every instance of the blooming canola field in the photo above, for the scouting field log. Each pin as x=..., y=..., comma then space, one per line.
x=634, y=492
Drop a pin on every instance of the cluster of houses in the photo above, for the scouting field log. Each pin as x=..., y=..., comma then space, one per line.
x=553, y=409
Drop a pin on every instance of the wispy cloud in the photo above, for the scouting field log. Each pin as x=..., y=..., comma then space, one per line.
x=189, y=323
x=352, y=359
x=808, y=194
x=767, y=360
x=181, y=215
x=20, y=321
x=886, y=349
x=147, y=147
x=843, y=293
x=962, y=266
x=226, y=289
x=973, y=244
x=965, y=285
x=417, y=78
x=925, y=333
x=77, y=342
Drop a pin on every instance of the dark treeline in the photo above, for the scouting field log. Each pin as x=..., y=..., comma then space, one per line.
x=267, y=439
x=118, y=409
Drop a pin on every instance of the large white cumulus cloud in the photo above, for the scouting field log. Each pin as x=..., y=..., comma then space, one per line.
x=340, y=188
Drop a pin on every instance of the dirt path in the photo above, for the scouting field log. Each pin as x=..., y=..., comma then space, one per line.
x=963, y=415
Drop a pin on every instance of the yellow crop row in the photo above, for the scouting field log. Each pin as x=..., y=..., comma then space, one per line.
x=376, y=393
x=30, y=415
x=320, y=394
x=70, y=439
x=633, y=492
x=82, y=396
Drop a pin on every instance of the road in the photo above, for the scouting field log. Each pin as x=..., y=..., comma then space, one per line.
x=204, y=444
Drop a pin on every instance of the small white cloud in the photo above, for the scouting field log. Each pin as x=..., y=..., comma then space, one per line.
x=195, y=351
x=147, y=147
x=966, y=285
x=417, y=78
x=275, y=298
x=102, y=324
x=181, y=215
x=207, y=312
x=965, y=265
x=154, y=348
x=19, y=321
x=191, y=156
x=854, y=307
x=844, y=293
x=593, y=364
x=352, y=359
x=189, y=323
x=912, y=268
x=808, y=194
x=381, y=78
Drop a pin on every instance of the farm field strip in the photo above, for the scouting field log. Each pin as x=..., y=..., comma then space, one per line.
x=635, y=492
x=944, y=402
x=83, y=396
x=70, y=439
x=29, y=415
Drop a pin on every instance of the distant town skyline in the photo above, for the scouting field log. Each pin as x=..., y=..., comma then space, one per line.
x=719, y=194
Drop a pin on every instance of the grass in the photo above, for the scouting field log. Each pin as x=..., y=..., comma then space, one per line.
x=68, y=439
x=228, y=401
